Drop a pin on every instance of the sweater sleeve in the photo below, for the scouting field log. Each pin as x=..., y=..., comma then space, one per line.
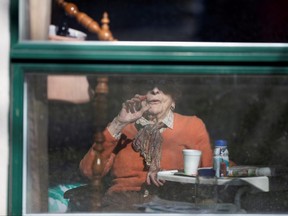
x=86, y=164
x=108, y=154
x=202, y=142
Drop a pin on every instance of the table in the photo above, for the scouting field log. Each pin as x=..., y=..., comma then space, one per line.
x=259, y=182
x=247, y=184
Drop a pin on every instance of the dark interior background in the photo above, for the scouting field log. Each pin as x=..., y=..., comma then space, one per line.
x=185, y=20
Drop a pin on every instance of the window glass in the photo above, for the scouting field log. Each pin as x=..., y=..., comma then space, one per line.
x=248, y=111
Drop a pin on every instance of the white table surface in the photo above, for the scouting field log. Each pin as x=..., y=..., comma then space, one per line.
x=259, y=182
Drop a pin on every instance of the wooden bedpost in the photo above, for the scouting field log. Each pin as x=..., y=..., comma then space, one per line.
x=102, y=31
x=100, y=119
x=88, y=197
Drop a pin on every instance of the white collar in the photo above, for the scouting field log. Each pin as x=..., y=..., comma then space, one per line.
x=168, y=120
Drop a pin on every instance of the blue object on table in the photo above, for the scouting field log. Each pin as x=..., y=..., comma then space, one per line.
x=206, y=171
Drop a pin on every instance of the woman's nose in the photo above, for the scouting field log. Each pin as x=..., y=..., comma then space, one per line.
x=155, y=91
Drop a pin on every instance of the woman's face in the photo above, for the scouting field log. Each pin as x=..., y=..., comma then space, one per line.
x=159, y=102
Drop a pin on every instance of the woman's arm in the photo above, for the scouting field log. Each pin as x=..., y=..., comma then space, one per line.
x=131, y=111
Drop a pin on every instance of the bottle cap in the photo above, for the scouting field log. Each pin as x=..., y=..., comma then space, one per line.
x=220, y=143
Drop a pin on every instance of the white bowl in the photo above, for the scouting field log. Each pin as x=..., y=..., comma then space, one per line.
x=72, y=32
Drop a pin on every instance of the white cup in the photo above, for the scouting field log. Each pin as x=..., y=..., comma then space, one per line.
x=191, y=161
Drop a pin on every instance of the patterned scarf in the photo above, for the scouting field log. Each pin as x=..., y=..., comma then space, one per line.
x=148, y=142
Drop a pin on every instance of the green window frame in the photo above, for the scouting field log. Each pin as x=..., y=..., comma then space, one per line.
x=20, y=70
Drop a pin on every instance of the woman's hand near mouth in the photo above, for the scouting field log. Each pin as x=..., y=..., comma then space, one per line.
x=133, y=109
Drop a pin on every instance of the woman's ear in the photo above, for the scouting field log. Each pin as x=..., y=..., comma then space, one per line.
x=173, y=106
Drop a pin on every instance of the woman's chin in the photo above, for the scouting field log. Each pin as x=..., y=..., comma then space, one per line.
x=150, y=115
x=152, y=112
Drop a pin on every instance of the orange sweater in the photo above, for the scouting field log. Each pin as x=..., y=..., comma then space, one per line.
x=128, y=166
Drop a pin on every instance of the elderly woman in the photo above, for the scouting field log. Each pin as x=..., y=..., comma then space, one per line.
x=145, y=137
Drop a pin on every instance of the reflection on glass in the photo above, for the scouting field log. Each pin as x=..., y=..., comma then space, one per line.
x=248, y=111
x=186, y=20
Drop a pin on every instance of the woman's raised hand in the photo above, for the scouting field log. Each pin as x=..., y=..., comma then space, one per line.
x=133, y=109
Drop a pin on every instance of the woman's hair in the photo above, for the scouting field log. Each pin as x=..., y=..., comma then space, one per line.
x=169, y=85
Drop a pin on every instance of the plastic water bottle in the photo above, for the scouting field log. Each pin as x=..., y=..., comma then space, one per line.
x=221, y=158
